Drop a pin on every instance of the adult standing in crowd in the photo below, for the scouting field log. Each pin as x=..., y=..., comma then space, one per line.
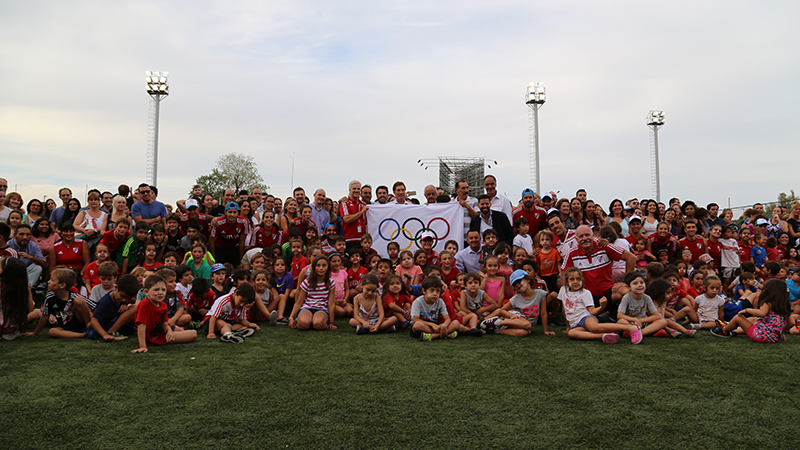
x=65, y=194
x=468, y=204
x=498, y=201
x=399, y=190
x=319, y=214
x=382, y=194
x=430, y=194
x=227, y=196
x=299, y=195
x=148, y=210
x=536, y=216
x=354, y=221
x=489, y=218
x=366, y=194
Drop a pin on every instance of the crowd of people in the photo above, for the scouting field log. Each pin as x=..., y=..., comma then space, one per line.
x=126, y=263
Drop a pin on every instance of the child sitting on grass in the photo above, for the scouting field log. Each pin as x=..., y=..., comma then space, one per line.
x=201, y=298
x=341, y=286
x=768, y=320
x=228, y=316
x=520, y=314
x=659, y=290
x=16, y=302
x=637, y=308
x=152, y=323
x=115, y=312
x=475, y=299
x=107, y=275
x=467, y=320
x=368, y=313
x=65, y=310
x=396, y=303
x=266, y=300
x=429, y=313
x=710, y=305
x=91, y=277
x=315, y=302
x=580, y=312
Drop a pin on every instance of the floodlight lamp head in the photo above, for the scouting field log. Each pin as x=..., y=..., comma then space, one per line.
x=535, y=93
x=655, y=118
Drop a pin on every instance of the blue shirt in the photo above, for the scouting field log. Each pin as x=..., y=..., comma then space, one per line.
x=321, y=217
x=794, y=291
x=758, y=254
x=468, y=261
x=151, y=211
x=32, y=249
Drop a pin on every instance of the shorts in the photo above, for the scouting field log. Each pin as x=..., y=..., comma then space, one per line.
x=727, y=272
x=314, y=310
x=74, y=325
x=752, y=333
x=552, y=282
x=582, y=322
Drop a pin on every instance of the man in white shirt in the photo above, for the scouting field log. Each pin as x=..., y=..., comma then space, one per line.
x=499, y=201
x=399, y=189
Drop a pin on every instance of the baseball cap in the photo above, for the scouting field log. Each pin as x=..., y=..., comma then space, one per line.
x=634, y=217
x=191, y=203
x=762, y=221
x=217, y=267
x=547, y=195
x=552, y=210
x=426, y=235
x=528, y=191
x=232, y=205
x=516, y=276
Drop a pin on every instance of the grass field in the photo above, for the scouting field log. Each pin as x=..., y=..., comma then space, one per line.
x=288, y=389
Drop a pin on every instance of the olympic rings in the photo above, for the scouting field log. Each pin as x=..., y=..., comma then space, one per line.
x=380, y=233
x=407, y=234
x=421, y=223
x=437, y=238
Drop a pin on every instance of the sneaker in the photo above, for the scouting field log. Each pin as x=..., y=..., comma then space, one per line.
x=610, y=338
x=282, y=321
x=424, y=336
x=361, y=330
x=474, y=332
x=231, y=338
x=690, y=333
x=452, y=335
x=244, y=332
x=118, y=336
x=660, y=333
x=273, y=318
x=719, y=332
x=406, y=324
x=91, y=334
x=694, y=326
x=491, y=323
x=720, y=323
x=673, y=333
x=391, y=329
x=636, y=336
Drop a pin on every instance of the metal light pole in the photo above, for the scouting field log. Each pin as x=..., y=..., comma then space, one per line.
x=655, y=120
x=158, y=89
x=534, y=98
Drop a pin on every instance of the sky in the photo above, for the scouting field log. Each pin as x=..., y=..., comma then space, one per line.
x=364, y=89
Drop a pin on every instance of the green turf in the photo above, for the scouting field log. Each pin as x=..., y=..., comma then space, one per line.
x=288, y=389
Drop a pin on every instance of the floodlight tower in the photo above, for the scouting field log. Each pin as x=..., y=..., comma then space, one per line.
x=655, y=120
x=158, y=89
x=534, y=98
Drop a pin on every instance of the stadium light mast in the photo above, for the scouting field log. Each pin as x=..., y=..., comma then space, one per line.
x=534, y=98
x=655, y=120
x=158, y=89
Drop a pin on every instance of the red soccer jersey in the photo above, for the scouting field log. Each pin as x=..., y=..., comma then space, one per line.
x=225, y=309
x=195, y=303
x=537, y=219
x=354, y=230
x=449, y=277
x=744, y=251
x=91, y=274
x=669, y=243
x=111, y=239
x=69, y=255
x=355, y=277
x=448, y=303
x=227, y=235
x=153, y=266
x=297, y=222
x=697, y=247
x=265, y=238
x=201, y=220
x=298, y=262
x=715, y=251
x=153, y=317
x=595, y=267
x=772, y=254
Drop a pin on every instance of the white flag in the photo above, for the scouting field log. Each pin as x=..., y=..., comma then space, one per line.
x=405, y=224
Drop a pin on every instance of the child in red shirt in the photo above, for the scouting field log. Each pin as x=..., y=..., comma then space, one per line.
x=152, y=323
x=298, y=260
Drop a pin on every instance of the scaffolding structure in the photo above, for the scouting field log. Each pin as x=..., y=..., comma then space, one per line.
x=453, y=169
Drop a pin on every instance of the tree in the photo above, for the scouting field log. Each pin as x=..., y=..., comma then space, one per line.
x=232, y=171
x=783, y=200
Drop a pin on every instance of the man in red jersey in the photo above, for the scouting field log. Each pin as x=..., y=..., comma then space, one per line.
x=537, y=217
x=192, y=213
x=696, y=244
x=226, y=242
x=354, y=223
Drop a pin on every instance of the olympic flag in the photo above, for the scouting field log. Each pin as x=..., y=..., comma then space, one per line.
x=405, y=224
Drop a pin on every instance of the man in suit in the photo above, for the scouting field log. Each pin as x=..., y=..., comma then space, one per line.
x=489, y=218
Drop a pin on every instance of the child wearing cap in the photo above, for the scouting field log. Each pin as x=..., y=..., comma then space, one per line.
x=522, y=312
x=426, y=240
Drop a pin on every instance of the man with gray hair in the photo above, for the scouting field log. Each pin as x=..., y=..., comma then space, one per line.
x=354, y=222
x=430, y=194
